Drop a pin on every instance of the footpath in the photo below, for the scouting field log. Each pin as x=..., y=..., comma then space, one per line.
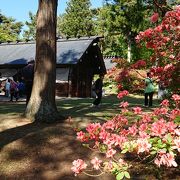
x=3, y=98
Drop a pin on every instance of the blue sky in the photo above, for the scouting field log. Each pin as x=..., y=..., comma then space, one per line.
x=19, y=9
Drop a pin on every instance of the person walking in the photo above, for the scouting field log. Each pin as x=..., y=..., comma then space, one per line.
x=149, y=91
x=98, y=84
x=13, y=89
x=7, y=88
x=21, y=88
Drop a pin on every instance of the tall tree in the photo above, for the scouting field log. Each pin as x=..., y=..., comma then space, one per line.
x=77, y=20
x=30, y=32
x=42, y=106
x=9, y=29
x=126, y=18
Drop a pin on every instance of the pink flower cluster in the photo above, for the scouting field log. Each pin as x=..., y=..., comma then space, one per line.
x=78, y=166
x=96, y=163
x=164, y=41
x=139, y=64
x=166, y=159
x=154, y=17
x=151, y=134
x=122, y=94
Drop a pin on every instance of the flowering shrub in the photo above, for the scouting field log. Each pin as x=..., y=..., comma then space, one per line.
x=151, y=136
x=164, y=41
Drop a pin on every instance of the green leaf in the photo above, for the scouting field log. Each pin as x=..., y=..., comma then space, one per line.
x=153, y=152
x=159, y=141
x=127, y=175
x=86, y=145
x=169, y=138
x=124, y=151
x=103, y=148
x=120, y=176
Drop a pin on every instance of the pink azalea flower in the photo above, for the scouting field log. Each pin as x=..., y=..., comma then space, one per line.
x=81, y=136
x=154, y=17
x=110, y=153
x=158, y=128
x=143, y=127
x=143, y=145
x=163, y=110
x=165, y=103
x=109, y=142
x=124, y=111
x=119, y=121
x=103, y=134
x=171, y=126
x=177, y=144
x=124, y=104
x=119, y=140
x=109, y=125
x=143, y=135
x=172, y=56
x=148, y=32
x=124, y=132
x=133, y=130
x=157, y=162
x=78, y=166
x=174, y=113
x=93, y=130
x=146, y=118
x=170, y=161
x=122, y=94
x=158, y=28
x=137, y=110
x=96, y=163
x=166, y=159
x=177, y=132
x=176, y=97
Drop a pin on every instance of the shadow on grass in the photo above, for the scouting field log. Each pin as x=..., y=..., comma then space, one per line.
x=80, y=107
x=109, y=107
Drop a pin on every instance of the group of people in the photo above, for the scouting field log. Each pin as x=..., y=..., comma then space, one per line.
x=149, y=90
x=16, y=89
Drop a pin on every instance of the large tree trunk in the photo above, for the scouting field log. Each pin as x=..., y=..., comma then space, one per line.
x=42, y=105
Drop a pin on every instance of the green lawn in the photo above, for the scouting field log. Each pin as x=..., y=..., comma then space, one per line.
x=80, y=107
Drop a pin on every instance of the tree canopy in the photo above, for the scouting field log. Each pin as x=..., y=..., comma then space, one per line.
x=9, y=29
x=77, y=19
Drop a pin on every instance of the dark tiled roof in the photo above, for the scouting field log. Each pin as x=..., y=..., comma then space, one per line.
x=68, y=51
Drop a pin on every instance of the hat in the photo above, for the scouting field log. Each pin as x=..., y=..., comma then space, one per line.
x=11, y=78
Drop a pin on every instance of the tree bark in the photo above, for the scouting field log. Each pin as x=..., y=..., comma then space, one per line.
x=42, y=105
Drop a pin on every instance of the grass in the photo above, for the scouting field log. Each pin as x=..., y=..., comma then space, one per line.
x=79, y=107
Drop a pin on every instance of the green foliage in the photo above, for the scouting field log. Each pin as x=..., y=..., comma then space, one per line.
x=120, y=22
x=77, y=19
x=30, y=33
x=9, y=28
